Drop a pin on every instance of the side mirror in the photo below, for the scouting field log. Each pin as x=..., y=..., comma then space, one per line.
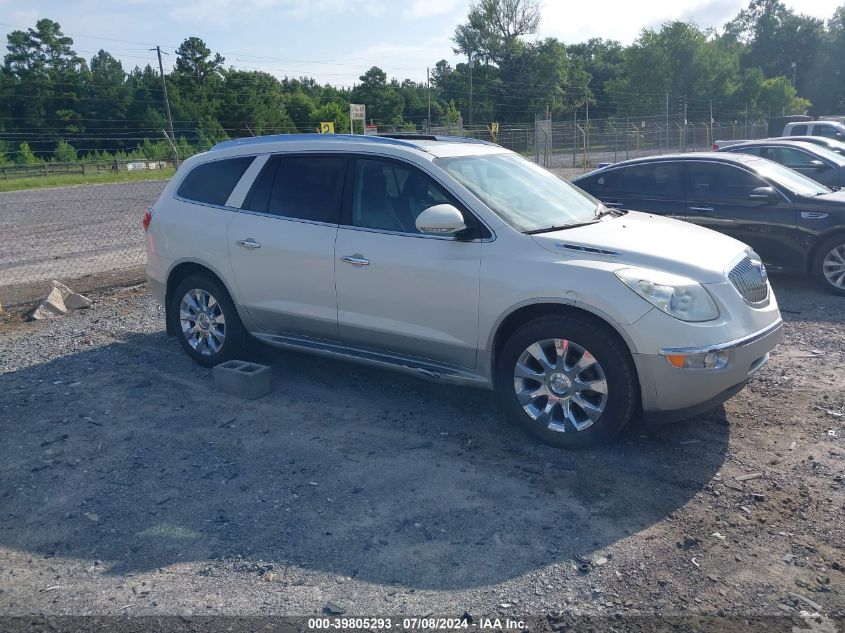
x=818, y=165
x=441, y=219
x=764, y=194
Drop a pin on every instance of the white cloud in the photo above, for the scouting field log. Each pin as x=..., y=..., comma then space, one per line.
x=428, y=8
x=623, y=20
x=228, y=12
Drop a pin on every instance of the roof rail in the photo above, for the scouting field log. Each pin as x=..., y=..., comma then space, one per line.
x=292, y=138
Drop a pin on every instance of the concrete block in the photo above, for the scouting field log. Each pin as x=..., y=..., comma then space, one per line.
x=60, y=300
x=243, y=379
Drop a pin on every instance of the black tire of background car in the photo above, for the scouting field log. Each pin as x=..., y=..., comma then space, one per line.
x=816, y=265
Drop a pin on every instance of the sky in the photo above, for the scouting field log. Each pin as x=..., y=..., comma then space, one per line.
x=335, y=41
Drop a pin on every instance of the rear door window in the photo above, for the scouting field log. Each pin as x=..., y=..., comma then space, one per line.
x=826, y=130
x=719, y=182
x=213, y=182
x=300, y=187
x=651, y=180
x=792, y=157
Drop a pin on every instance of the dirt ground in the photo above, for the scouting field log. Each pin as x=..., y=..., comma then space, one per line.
x=130, y=486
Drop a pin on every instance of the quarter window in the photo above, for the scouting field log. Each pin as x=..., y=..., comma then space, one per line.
x=799, y=130
x=714, y=181
x=213, y=182
x=389, y=196
x=299, y=187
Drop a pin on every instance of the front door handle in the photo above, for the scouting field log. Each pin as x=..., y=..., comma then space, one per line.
x=700, y=209
x=613, y=203
x=248, y=243
x=356, y=260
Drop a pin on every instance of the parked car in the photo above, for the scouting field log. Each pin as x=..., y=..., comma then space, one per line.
x=829, y=143
x=794, y=223
x=462, y=262
x=818, y=163
x=830, y=129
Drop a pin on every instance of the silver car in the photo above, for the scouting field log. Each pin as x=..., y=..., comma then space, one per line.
x=462, y=262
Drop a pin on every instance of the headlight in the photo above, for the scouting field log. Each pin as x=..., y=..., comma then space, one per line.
x=675, y=295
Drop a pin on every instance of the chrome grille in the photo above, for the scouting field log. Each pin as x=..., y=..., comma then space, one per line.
x=749, y=278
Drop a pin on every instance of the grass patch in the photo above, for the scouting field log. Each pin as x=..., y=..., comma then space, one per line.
x=64, y=180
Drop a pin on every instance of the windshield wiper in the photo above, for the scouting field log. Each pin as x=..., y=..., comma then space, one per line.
x=561, y=227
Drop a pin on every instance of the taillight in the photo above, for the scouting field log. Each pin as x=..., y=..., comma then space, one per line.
x=715, y=147
x=147, y=217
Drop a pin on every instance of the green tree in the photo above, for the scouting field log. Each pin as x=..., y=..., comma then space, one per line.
x=493, y=28
x=383, y=100
x=25, y=155
x=336, y=113
x=64, y=152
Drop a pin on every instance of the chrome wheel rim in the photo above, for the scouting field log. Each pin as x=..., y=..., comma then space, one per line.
x=202, y=321
x=833, y=266
x=560, y=385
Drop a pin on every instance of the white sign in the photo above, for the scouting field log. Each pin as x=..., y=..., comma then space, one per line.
x=357, y=112
x=371, y=130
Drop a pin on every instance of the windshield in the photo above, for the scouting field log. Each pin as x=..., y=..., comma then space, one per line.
x=792, y=180
x=523, y=194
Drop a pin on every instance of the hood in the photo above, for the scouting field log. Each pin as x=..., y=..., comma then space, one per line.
x=829, y=201
x=649, y=241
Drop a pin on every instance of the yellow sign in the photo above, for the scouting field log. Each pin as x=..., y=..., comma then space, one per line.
x=326, y=127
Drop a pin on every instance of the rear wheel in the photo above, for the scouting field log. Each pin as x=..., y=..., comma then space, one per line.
x=205, y=320
x=828, y=265
x=567, y=381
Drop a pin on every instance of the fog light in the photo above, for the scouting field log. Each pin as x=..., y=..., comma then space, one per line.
x=707, y=360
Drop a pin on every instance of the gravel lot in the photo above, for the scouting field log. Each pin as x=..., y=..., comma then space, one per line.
x=68, y=232
x=131, y=487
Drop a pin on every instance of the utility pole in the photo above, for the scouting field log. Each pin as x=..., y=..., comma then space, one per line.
x=428, y=84
x=667, y=121
x=470, y=90
x=157, y=49
x=587, y=124
x=745, y=129
x=711, y=121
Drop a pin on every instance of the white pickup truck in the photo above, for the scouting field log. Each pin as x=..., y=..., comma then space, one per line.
x=829, y=129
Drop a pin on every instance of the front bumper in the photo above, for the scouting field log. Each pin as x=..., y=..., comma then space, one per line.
x=676, y=393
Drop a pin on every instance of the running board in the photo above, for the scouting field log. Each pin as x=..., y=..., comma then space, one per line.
x=425, y=369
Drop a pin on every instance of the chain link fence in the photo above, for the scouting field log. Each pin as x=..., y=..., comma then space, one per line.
x=90, y=236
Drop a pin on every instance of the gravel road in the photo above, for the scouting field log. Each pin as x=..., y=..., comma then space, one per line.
x=130, y=486
x=68, y=232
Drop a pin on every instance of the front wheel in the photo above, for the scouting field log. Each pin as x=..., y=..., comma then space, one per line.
x=828, y=265
x=567, y=381
x=206, y=321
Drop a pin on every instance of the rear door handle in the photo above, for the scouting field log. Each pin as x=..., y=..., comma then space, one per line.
x=248, y=243
x=355, y=260
x=700, y=209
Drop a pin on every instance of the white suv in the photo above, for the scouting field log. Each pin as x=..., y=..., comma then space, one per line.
x=462, y=262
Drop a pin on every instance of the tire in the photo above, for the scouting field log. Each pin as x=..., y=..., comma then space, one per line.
x=576, y=383
x=210, y=339
x=828, y=265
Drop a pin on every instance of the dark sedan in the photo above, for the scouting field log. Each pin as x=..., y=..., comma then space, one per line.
x=794, y=223
x=817, y=162
x=829, y=143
